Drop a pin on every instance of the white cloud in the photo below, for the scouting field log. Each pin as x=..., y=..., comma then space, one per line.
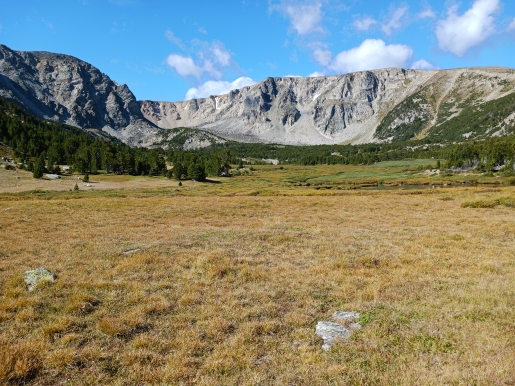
x=511, y=27
x=458, y=33
x=292, y=76
x=221, y=55
x=174, y=39
x=210, y=59
x=321, y=53
x=426, y=13
x=202, y=30
x=394, y=20
x=219, y=87
x=185, y=66
x=304, y=19
x=316, y=73
x=210, y=68
x=365, y=23
x=371, y=54
x=423, y=64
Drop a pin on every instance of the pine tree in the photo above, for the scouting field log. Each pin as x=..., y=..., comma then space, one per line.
x=39, y=168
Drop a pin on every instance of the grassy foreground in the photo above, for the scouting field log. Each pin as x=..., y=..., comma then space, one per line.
x=224, y=277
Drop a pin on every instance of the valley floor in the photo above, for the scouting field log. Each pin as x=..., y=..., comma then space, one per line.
x=226, y=287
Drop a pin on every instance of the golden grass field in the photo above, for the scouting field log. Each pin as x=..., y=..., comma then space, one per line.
x=231, y=272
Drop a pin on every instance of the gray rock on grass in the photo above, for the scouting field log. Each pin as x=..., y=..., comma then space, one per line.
x=346, y=315
x=37, y=276
x=329, y=331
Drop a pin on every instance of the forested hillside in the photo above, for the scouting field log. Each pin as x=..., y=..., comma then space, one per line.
x=49, y=143
x=34, y=140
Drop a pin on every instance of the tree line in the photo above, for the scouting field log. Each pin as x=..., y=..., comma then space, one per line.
x=43, y=145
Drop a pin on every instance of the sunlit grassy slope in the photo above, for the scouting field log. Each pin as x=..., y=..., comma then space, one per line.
x=228, y=273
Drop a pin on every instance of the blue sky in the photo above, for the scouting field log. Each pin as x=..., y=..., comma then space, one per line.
x=174, y=50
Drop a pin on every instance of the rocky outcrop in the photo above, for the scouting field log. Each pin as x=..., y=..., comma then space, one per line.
x=381, y=105
x=333, y=109
x=64, y=88
x=338, y=109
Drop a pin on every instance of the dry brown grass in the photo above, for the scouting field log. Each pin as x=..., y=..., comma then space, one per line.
x=220, y=282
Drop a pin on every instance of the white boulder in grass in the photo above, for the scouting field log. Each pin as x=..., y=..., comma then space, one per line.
x=329, y=331
x=37, y=276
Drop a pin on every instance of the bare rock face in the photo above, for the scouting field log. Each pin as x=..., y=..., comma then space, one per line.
x=369, y=106
x=361, y=107
x=63, y=88
x=323, y=110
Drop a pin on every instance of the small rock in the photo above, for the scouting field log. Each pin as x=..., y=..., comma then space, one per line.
x=53, y=176
x=130, y=251
x=329, y=331
x=38, y=275
x=346, y=315
x=262, y=360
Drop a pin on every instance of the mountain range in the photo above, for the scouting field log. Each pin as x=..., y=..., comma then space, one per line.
x=368, y=106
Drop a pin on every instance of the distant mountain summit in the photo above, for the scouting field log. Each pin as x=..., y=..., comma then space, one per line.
x=368, y=106
x=66, y=89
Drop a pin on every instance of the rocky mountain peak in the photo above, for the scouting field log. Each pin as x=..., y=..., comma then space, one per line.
x=64, y=88
x=367, y=106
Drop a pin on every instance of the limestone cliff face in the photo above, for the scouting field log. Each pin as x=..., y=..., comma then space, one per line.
x=64, y=88
x=333, y=109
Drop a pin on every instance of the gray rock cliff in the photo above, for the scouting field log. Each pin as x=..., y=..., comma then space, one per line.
x=64, y=88
x=337, y=109
x=369, y=106
x=322, y=110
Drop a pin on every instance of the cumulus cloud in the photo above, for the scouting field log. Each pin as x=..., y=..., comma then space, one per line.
x=210, y=68
x=304, y=19
x=511, y=27
x=185, y=66
x=394, y=21
x=458, y=33
x=423, y=64
x=174, y=39
x=218, y=87
x=222, y=56
x=316, y=73
x=365, y=23
x=211, y=58
x=321, y=53
x=371, y=54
